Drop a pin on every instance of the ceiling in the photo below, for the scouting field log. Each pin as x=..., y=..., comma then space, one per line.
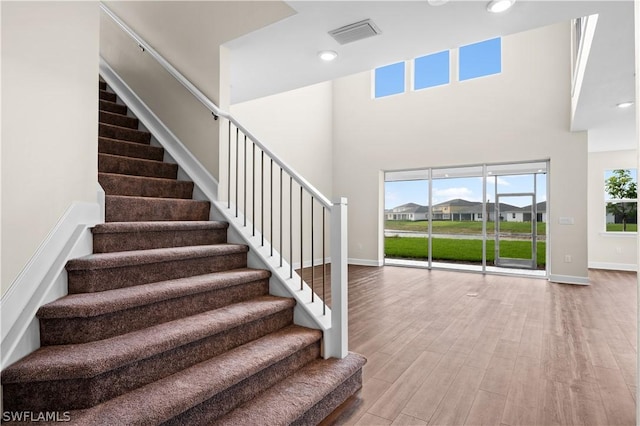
x=283, y=56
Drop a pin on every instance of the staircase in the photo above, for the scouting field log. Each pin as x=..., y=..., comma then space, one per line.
x=165, y=323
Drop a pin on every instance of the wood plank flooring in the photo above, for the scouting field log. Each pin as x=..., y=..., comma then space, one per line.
x=520, y=352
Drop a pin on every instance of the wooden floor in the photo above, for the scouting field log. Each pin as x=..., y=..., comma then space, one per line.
x=448, y=348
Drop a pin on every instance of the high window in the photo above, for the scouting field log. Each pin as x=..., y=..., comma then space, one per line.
x=431, y=70
x=389, y=80
x=480, y=59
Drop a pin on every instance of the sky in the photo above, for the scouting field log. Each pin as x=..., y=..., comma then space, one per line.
x=470, y=189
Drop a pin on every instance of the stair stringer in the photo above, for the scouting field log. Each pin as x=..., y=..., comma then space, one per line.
x=306, y=313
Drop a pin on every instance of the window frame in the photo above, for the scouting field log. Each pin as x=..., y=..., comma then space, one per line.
x=608, y=200
x=460, y=60
x=388, y=66
x=414, y=76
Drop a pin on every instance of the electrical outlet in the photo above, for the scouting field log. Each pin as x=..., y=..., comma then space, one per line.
x=567, y=258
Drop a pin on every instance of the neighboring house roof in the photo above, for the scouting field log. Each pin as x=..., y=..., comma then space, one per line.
x=409, y=208
x=465, y=206
x=541, y=207
x=457, y=202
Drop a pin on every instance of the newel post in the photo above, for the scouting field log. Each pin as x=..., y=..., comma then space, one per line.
x=336, y=343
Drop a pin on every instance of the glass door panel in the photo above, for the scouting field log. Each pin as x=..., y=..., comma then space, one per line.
x=515, y=232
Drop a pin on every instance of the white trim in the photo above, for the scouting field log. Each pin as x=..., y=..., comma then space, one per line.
x=365, y=262
x=581, y=63
x=196, y=172
x=619, y=234
x=568, y=279
x=44, y=279
x=614, y=266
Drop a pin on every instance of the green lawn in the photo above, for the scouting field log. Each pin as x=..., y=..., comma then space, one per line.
x=459, y=250
x=617, y=227
x=461, y=227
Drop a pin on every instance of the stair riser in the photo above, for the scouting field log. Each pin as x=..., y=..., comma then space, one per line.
x=112, y=107
x=62, y=331
x=63, y=395
x=133, y=167
x=222, y=403
x=102, y=85
x=124, y=134
x=125, y=185
x=332, y=401
x=109, y=243
x=88, y=281
x=107, y=96
x=130, y=149
x=118, y=120
x=122, y=210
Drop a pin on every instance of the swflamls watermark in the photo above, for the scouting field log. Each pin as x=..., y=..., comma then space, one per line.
x=36, y=416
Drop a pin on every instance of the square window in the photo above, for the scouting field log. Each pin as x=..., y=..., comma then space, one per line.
x=480, y=59
x=621, y=200
x=431, y=70
x=389, y=80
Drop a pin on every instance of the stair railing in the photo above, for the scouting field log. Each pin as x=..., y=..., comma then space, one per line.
x=295, y=212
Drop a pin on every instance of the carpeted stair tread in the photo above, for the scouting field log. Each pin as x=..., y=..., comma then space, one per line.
x=106, y=302
x=123, y=133
x=87, y=360
x=160, y=401
x=117, y=119
x=109, y=271
x=145, y=209
x=126, y=236
x=112, y=107
x=291, y=398
x=109, y=163
x=145, y=186
x=107, y=96
x=129, y=149
x=143, y=257
x=127, y=227
x=86, y=317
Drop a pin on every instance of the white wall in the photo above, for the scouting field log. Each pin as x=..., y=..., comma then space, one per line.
x=189, y=35
x=608, y=250
x=521, y=114
x=49, y=123
x=296, y=125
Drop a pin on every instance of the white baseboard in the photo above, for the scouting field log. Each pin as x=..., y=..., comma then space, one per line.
x=44, y=279
x=365, y=262
x=632, y=267
x=568, y=279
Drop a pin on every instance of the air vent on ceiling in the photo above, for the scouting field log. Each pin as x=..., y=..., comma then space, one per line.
x=354, y=32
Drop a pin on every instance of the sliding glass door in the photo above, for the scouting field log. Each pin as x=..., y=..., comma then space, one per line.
x=477, y=218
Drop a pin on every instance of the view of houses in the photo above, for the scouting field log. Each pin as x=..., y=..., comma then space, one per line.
x=463, y=210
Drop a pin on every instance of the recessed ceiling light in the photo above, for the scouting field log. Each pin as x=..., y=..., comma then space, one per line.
x=327, y=55
x=625, y=104
x=437, y=2
x=499, y=6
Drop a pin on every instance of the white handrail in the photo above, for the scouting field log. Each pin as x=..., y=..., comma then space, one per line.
x=217, y=112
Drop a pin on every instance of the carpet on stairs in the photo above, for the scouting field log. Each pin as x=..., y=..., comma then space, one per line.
x=165, y=323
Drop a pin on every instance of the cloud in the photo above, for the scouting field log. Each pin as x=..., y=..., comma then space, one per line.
x=440, y=195
x=501, y=181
